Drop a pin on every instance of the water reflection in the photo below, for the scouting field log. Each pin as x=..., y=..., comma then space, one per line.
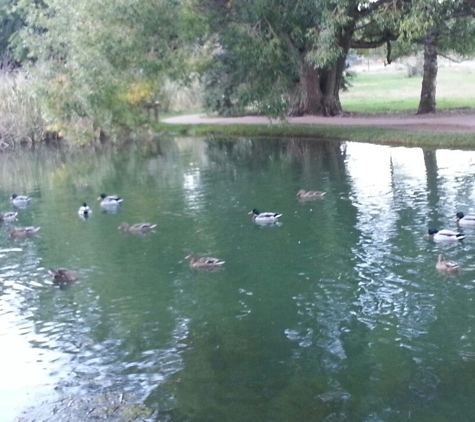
x=336, y=314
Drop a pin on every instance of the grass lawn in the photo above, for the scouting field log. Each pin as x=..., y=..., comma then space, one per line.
x=393, y=91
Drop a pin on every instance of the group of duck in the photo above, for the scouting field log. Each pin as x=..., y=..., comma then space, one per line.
x=112, y=203
x=108, y=203
x=447, y=235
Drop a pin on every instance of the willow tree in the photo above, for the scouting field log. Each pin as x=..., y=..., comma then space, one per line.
x=278, y=56
x=97, y=61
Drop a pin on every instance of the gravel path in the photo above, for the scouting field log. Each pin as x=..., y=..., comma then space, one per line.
x=444, y=121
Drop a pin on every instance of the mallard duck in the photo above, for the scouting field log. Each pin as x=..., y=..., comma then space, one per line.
x=310, y=194
x=62, y=275
x=84, y=211
x=20, y=201
x=443, y=265
x=8, y=216
x=137, y=227
x=264, y=217
x=23, y=231
x=109, y=200
x=445, y=235
x=205, y=262
x=465, y=220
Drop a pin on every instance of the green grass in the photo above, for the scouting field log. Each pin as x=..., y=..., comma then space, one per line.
x=378, y=135
x=394, y=92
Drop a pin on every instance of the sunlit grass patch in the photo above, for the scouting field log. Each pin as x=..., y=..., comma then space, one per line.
x=390, y=92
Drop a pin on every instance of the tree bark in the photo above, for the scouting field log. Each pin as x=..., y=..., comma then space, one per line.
x=427, y=102
x=318, y=90
x=307, y=96
x=330, y=86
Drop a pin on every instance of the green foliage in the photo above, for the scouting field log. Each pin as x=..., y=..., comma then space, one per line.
x=261, y=48
x=10, y=23
x=104, y=62
x=452, y=20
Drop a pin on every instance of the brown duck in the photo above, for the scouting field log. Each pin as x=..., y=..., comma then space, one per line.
x=204, y=262
x=62, y=275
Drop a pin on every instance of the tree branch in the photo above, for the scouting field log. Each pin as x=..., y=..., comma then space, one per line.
x=374, y=43
x=449, y=58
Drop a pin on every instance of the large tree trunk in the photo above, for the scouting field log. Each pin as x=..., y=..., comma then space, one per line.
x=318, y=91
x=429, y=79
x=330, y=86
x=307, y=96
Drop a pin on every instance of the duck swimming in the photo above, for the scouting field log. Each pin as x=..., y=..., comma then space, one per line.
x=309, y=195
x=20, y=201
x=109, y=200
x=84, y=211
x=264, y=217
x=204, y=262
x=445, y=235
x=23, y=231
x=8, y=216
x=465, y=220
x=137, y=227
x=62, y=275
x=443, y=265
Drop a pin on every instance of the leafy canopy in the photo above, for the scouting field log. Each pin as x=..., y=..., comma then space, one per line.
x=99, y=61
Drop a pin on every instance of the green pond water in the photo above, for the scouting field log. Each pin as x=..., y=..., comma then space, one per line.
x=337, y=314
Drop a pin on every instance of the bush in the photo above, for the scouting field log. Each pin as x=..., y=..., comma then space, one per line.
x=21, y=121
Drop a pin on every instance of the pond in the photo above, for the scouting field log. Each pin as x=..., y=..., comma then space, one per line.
x=336, y=314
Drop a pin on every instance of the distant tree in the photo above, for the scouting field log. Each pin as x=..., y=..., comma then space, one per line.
x=441, y=27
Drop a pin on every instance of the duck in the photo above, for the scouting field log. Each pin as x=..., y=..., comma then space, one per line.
x=62, y=275
x=137, y=227
x=23, y=231
x=84, y=210
x=443, y=265
x=445, y=235
x=310, y=194
x=264, y=217
x=8, y=216
x=20, y=201
x=204, y=262
x=465, y=220
x=109, y=200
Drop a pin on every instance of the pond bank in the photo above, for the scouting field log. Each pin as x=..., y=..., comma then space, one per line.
x=448, y=129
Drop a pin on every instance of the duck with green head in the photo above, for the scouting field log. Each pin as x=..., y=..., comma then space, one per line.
x=264, y=217
x=84, y=211
x=109, y=200
x=465, y=220
x=20, y=201
x=445, y=235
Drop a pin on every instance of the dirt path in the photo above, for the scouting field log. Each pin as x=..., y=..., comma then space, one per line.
x=450, y=121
